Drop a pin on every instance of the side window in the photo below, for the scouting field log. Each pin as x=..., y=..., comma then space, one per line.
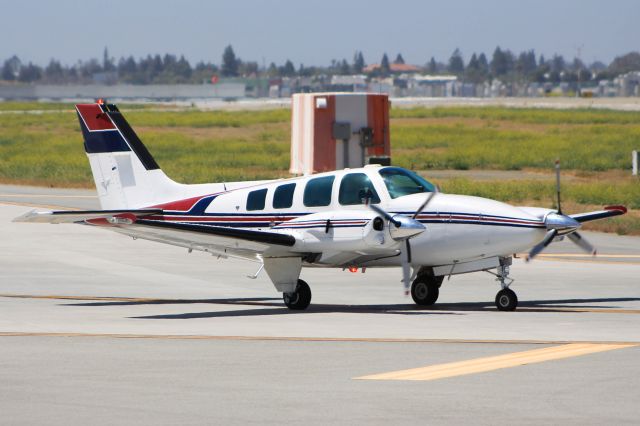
x=283, y=196
x=354, y=188
x=255, y=199
x=317, y=193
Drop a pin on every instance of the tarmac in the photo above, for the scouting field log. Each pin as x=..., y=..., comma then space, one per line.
x=98, y=328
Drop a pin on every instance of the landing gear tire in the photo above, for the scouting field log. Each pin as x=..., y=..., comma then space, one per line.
x=506, y=300
x=425, y=290
x=300, y=299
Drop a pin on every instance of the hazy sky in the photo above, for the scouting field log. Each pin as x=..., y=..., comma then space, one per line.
x=315, y=32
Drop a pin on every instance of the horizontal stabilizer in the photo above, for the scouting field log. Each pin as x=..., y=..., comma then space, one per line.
x=73, y=216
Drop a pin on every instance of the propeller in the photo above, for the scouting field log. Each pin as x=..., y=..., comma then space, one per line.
x=403, y=228
x=557, y=222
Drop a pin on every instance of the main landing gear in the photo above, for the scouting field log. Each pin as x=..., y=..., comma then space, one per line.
x=425, y=289
x=506, y=299
x=300, y=299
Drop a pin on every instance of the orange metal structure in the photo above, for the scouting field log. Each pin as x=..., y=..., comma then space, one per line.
x=331, y=131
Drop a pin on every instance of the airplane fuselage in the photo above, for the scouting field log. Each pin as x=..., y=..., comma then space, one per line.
x=334, y=227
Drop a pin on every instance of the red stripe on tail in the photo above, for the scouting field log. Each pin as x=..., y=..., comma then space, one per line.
x=94, y=118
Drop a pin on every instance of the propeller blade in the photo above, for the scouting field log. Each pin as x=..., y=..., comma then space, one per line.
x=542, y=245
x=558, y=186
x=384, y=214
x=424, y=205
x=582, y=243
x=405, y=256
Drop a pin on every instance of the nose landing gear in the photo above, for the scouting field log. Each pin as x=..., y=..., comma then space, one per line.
x=506, y=299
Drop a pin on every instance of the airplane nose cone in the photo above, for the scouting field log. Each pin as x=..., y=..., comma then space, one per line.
x=560, y=222
x=408, y=228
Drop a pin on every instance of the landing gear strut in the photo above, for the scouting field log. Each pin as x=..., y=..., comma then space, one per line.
x=506, y=299
x=300, y=299
x=425, y=289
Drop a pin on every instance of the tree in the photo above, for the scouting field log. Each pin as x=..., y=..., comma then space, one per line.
x=501, y=63
x=344, y=67
x=249, y=68
x=473, y=72
x=399, y=59
x=127, y=69
x=432, y=66
x=557, y=63
x=541, y=61
x=358, y=62
x=584, y=75
x=183, y=69
x=30, y=73
x=288, y=70
x=54, y=71
x=483, y=65
x=107, y=62
x=229, y=62
x=11, y=68
x=625, y=63
x=456, y=63
x=385, y=68
x=526, y=64
x=541, y=72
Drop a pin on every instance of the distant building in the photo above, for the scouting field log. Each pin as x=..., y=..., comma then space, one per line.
x=349, y=83
x=394, y=68
x=432, y=85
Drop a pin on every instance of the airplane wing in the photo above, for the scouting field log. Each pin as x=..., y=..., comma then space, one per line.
x=608, y=211
x=221, y=240
x=74, y=216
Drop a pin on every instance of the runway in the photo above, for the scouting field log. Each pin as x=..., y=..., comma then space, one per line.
x=98, y=328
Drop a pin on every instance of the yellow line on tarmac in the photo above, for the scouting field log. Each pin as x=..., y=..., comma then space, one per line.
x=482, y=365
x=614, y=256
x=589, y=260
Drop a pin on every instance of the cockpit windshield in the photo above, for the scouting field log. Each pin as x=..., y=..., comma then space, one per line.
x=401, y=182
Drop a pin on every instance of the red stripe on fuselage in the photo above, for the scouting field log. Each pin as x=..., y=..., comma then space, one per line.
x=180, y=205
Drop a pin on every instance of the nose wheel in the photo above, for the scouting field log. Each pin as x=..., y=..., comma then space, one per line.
x=506, y=299
x=300, y=299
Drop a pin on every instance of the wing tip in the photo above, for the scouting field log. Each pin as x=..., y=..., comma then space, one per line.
x=620, y=208
x=31, y=216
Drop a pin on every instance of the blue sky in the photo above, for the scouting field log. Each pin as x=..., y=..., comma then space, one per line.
x=313, y=33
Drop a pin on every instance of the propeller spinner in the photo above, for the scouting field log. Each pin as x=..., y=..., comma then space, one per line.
x=403, y=228
x=558, y=223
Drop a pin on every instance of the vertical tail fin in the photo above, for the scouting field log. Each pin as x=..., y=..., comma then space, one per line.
x=125, y=173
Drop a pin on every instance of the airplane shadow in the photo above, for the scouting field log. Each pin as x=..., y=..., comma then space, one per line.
x=274, y=306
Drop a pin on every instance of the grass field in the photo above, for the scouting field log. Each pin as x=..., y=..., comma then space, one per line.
x=40, y=144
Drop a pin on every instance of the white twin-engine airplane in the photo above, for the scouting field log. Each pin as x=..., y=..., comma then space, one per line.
x=353, y=218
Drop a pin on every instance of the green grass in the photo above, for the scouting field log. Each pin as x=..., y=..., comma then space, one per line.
x=205, y=119
x=593, y=147
x=202, y=146
x=59, y=106
x=32, y=145
x=597, y=192
x=523, y=115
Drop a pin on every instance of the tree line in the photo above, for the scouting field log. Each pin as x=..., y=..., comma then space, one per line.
x=502, y=64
